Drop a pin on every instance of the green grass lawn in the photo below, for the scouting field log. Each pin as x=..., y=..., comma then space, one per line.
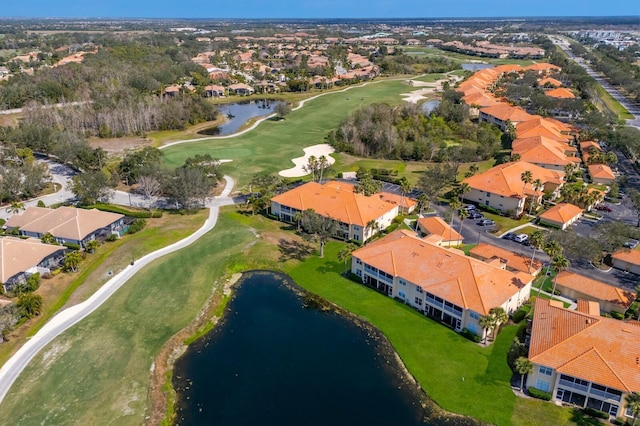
x=271, y=149
x=462, y=58
x=613, y=105
x=503, y=223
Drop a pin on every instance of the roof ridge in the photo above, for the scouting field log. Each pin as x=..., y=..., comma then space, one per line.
x=475, y=281
x=464, y=299
x=628, y=389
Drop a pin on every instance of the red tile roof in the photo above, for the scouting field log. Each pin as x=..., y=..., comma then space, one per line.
x=506, y=112
x=505, y=180
x=515, y=261
x=596, y=289
x=459, y=279
x=435, y=225
x=337, y=200
x=561, y=213
x=597, y=349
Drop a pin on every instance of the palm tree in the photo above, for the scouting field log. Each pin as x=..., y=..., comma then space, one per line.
x=405, y=187
x=523, y=366
x=48, y=238
x=311, y=167
x=487, y=322
x=454, y=205
x=559, y=263
x=322, y=164
x=30, y=304
x=633, y=404
x=423, y=202
x=372, y=227
x=345, y=254
x=537, y=186
x=15, y=207
x=72, y=260
x=463, y=188
x=297, y=218
x=91, y=246
x=537, y=240
x=463, y=214
x=526, y=177
x=500, y=316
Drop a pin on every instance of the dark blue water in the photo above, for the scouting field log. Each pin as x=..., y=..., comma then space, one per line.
x=271, y=361
x=238, y=113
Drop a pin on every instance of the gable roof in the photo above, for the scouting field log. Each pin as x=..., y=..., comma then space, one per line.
x=459, y=279
x=630, y=256
x=561, y=213
x=590, y=347
x=434, y=225
x=18, y=255
x=336, y=200
x=64, y=222
x=513, y=260
x=539, y=126
x=596, y=289
x=504, y=179
x=552, y=81
x=506, y=112
x=561, y=93
x=601, y=171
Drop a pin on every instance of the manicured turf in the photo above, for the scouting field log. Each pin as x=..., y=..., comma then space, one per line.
x=271, y=147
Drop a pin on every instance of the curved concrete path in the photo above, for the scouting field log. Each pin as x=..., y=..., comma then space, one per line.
x=70, y=316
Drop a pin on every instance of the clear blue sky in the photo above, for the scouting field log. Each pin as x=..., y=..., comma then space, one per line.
x=315, y=8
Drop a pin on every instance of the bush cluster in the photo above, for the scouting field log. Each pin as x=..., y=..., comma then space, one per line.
x=540, y=394
x=136, y=226
x=470, y=335
x=131, y=213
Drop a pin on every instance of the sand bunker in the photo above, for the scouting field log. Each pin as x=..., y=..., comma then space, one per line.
x=315, y=150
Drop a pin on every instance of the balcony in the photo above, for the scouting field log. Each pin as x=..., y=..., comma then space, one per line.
x=573, y=385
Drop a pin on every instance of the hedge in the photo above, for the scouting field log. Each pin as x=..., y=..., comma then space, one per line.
x=596, y=413
x=521, y=313
x=131, y=213
x=470, y=335
x=72, y=246
x=540, y=394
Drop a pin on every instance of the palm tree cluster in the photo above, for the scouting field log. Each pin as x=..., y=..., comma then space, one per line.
x=492, y=321
x=316, y=167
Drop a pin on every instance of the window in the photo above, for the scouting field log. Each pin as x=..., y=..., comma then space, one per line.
x=474, y=315
x=358, y=261
x=419, y=289
x=402, y=282
x=356, y=237
x=402, y=295
x=545, y=370
x=542, y=385
x=418, y=301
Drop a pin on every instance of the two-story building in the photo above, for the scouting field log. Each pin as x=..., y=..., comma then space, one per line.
x=502, y=114
x=502, y=188
x=584, y=359
x=354, y=212
x=442, y=283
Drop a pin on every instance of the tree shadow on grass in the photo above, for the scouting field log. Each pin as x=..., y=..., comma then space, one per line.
x=293, y=250
x=580, y=418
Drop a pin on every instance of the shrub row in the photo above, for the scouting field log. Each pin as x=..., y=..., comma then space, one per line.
x=72, y=246
x=136, y=226
x=540, y=394
x=596, y=413
x=131, y=213
x=470, y=335
x=521, y=313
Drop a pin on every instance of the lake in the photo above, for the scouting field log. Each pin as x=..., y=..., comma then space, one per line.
x=238, y=113
x=476, y=66
x=273, y=361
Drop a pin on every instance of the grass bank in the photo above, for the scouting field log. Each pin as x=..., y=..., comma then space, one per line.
x=168, y=295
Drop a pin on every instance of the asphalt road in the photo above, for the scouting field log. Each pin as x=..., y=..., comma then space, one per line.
x=70, y=316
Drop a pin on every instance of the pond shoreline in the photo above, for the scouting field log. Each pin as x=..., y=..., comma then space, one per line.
x=163, y=408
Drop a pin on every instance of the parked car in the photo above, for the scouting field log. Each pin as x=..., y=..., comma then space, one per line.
x=603, y=208
x=469, y=207
x=521, y=238
x=486, y=222
x=475, y=215
x=631, y=244
x=509, y=236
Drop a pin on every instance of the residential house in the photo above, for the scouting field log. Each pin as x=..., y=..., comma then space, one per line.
x=584, y=359
x=213, y=90
x=579, y=287
x=601, y=174
x=560, y=93
x=627, y=260
x=502, y=114
x=561, y=215
x=67, y=224
x=241, y=89
x=434, y=225
x=549, y=82
x=355, y=212
x=546, y=127
x=20, y=259
x=545, y=152
x=442, y=283
x=501, y=187
x=506, y=259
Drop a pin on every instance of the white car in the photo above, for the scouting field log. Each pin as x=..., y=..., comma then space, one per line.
x=521, y=238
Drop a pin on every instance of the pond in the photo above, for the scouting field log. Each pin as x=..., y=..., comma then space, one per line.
x=238, y=113
x=278, y=358
x=429, y=106
x=476, y=66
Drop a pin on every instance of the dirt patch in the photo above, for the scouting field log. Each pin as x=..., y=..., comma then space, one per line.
x=120, y=145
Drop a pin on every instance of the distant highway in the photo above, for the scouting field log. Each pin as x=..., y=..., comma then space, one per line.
x=563, y=43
